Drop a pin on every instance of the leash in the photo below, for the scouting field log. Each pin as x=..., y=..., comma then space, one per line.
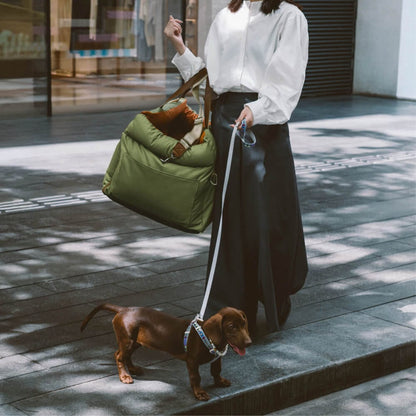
x=200, y=316
x=217, y=242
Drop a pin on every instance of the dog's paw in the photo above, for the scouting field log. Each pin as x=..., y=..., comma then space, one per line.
x=201, y=395
x=126, y=379
x=222, y=382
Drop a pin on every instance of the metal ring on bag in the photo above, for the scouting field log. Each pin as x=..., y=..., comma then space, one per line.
x=168, y=159
x=214, y=179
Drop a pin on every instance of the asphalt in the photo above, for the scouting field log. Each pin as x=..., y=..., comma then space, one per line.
x=64, y=248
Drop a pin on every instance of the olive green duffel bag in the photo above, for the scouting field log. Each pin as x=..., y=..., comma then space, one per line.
x=163, y=166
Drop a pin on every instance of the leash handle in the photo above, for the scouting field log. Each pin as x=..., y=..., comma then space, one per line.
x=218, y=240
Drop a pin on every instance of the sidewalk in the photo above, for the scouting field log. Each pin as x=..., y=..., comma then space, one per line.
x=392, y=395
x=64, y=248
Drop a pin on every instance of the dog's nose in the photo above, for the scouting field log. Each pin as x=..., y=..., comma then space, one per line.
x=248, y=342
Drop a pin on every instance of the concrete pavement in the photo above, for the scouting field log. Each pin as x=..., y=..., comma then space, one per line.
x=64, y=248
x=392, y=395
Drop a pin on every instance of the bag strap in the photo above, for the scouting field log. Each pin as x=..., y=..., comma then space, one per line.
x=217, y=242
x=193, y=83
x=188, y=85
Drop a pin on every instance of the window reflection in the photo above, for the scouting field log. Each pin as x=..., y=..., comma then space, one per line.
x=104, y=54
x=111, y=54
x=23, y=64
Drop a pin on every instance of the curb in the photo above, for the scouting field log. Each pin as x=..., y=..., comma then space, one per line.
x=297, y=388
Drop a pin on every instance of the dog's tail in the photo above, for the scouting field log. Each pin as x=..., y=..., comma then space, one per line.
x=104, y=306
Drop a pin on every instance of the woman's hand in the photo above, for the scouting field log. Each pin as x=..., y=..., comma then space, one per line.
x=246, y=114
x=173, y=31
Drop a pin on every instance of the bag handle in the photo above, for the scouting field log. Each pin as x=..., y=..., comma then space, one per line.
x=188, y=85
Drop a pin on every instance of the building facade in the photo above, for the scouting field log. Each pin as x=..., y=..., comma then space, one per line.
x=62, y=56
x=385, y=51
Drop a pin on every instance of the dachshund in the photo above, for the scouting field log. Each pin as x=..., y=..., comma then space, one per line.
x=142, y=326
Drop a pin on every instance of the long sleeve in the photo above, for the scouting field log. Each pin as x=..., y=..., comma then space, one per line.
x=248, y=51
x=188, y=64
x=284, y=75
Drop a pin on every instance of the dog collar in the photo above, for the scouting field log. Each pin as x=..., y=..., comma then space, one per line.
x=207, y=342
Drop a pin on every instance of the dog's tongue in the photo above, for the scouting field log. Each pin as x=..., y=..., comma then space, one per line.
x=238, y=351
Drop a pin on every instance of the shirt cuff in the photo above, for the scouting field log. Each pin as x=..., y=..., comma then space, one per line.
x=186, y=63
x=265, y=112
x=257, y=108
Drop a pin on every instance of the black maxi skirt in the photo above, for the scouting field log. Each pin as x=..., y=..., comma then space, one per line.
x=262, y=251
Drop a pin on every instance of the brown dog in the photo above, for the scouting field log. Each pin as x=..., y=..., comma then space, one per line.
x=136, y=326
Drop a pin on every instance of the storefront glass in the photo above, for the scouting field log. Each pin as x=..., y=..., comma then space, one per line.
x=23, y=58
x=62, y=56
x=112, y=54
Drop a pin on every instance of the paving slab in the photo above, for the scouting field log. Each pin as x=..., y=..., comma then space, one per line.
x=191, y=303
x=99, y=278
x=314, y=312
x=46, y=319
x=394, y=394
x=377, y=296
x=56, y=301
x=22, y=293
x=7, y=410
x=178, y=263
x=170, y=279
x=345, y=244
x=371, y=232
x=411, y=241
x=40, y=382
x=173, y=294
x=363, y=213
x=85, y=348
x=76, y=241
x=17, y=365
x=148, y=395
x=402, y=312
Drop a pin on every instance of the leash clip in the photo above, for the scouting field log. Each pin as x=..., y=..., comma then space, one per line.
x=168, y=159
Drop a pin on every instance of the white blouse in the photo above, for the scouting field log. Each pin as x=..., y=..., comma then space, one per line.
x=249, y=51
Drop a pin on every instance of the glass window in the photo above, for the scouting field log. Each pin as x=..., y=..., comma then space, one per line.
x=111, y=54
x=23, y=58
x=104, y=55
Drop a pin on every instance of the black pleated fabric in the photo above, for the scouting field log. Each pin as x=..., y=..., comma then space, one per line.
x=262, y=253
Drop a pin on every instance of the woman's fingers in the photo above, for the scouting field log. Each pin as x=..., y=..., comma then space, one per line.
x=173, y=27
x=240, y=118
x=247, y=114
x=176, y=20
x=177, y=27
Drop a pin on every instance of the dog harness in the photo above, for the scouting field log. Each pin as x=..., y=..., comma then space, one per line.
x=207, y=342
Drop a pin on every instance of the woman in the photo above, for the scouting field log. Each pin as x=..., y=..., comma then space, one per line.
x=255, y=54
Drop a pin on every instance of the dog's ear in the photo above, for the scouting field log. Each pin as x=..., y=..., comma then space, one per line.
x=213, y=328
x=244, y=316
